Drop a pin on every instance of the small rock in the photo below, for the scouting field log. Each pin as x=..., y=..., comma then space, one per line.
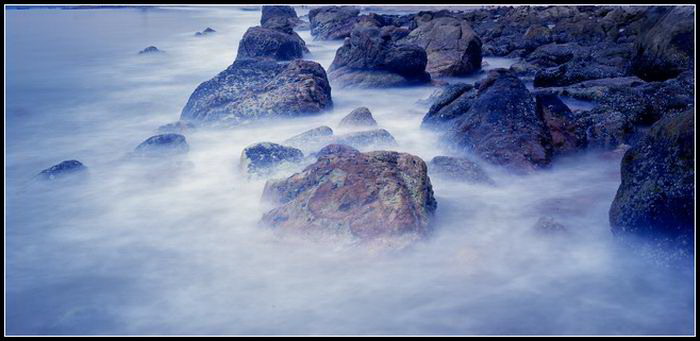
x=547, y=225
x=163, y=145
x=150, y=49
x=263, y=157
x=65, y=168
x=459, y=169
x=178, y=127
x=360, y=117
x=370, y=138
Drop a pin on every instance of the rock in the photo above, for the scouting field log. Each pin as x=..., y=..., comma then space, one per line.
x=452, y=47
x=332, y=22
x=365, y=139
x=263, y=157
x=604, y=62
x=206, y=31
x=269, y=12
x=547, y=225
x=458, y=169
x=276, y=44
x=550, y=55
x=178, y=127
x=665, y=48
x=561, y=123
x=452, y=102
x=371, y=58
x=366, y=196
x=360, y=117
x=250, y=90
x=501, y=125
x=311, y=140
x=162, y=145
x=655, y=199
x=62, y=170
x=150, y=50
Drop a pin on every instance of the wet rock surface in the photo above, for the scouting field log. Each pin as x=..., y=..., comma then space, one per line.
x=332, y=22
x=452, y=47
x=251, y=90
x=655, y=199
x=367, y=196
x=371, y=57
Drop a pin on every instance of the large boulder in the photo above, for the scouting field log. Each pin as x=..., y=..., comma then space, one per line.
x=655, y=199
x=666, y=48
x=250, y=90
x=452, y=47
x=332, y=22
x=379, y=195
x=372, y=58
x=272, y=43
x=500, y=124
x=451, y=102
x=260, y=158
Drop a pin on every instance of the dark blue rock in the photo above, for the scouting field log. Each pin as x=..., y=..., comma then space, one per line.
x=62, y=169
x=149, y=50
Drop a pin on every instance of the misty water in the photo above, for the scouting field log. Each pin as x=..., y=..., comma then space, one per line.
x=161, y=249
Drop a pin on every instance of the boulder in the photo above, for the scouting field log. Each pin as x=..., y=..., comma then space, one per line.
x=250, y=90
x=561, y=123
x=501, y=125
x=452, y=102
x=271, y=43
x=655, y=198
x=365, y=196
x=665, y=48
x=162, y=145
x=452, y=47
x=260, y=158
x=270, y=12
x=458, y=169
x=332, y=22
x=62, y=170
x=371, y=58
x=360, y=117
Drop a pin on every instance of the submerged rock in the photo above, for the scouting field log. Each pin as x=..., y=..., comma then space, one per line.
x=162, y=145
x=366, y=196
x=265, y=156
x=452, y=47
x=206, y=31
x=150, y=50
x=547, y=225
x=251, y=90
x=332, y=22
x=665, y=49
x=311, y=140
x=655, y=199
x=62, y=170
x=178, y=127
x=360, y=117
x=365, y=139
x=459, y=169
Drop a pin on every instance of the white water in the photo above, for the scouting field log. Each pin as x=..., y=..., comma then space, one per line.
x=143, y=250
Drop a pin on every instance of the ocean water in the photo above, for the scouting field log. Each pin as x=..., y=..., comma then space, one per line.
x=161, y=249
